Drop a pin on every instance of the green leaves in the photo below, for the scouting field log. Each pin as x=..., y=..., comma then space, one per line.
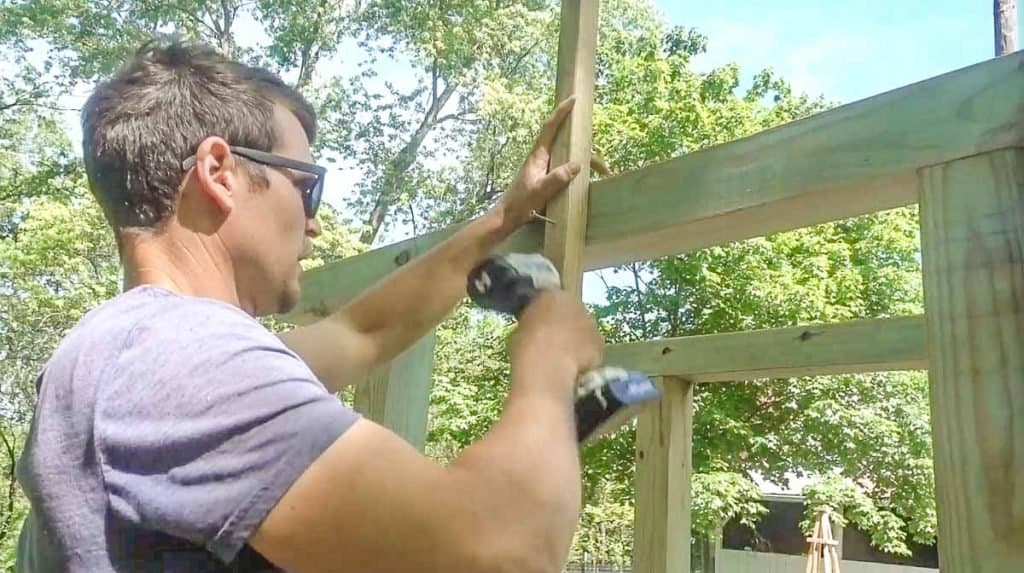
x=871, y=428
x=13, y=506
x=471, y=376
x=721, y=496
x=61, y=263
x=853, y=506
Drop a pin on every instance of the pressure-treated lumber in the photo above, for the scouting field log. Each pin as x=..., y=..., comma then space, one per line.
x=851, y=160
x=326, y=288
x=871, y=345
x=564, y=240
x=972, y=238
x=397, y=395
x=664, y=468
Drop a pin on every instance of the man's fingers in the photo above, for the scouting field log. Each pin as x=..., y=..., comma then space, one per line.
x=550, y=129
x=559, y=178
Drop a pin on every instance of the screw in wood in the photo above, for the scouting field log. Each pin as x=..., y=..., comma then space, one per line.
x=537, y=215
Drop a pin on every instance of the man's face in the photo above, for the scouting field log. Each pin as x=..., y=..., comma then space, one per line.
x=269, y=232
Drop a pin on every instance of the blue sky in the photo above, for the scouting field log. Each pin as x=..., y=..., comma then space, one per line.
x=844, y=50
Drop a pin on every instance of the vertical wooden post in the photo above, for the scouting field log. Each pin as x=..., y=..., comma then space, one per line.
x=397, y=395
x=664, y=468
x=564, y=240
x=972, y=237
x=577, y=44
x=709, y=547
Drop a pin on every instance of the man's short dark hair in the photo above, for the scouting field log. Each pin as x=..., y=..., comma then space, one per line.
x=138, y=126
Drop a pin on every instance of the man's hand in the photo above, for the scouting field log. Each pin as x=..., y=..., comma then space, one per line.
x=556, y=332
x=535, y=184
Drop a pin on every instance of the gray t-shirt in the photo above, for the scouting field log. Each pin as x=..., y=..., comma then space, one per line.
x=166, y=430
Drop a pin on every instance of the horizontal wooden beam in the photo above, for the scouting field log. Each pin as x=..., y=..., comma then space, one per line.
x=872, y=345
x=851, y=160
x=327, y=287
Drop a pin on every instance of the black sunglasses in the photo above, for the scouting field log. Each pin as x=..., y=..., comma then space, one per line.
x=310, y=195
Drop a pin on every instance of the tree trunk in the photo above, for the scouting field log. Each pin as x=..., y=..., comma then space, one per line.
x=1005, y=17
x=310, y=57
x=376, y=218
x=400, y=164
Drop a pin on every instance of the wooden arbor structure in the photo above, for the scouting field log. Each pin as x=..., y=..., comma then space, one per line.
x=954, y=144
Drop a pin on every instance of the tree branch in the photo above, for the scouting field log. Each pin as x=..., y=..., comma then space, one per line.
x=5, y=527
x=412, y=216
x=490, y=190
x=214, y=26
x=452, y=116
x=641, y=306
x=29, y=103
x=401, y=163
x=197, y=20
x=310, y=56
x=433, y=81
x=229, y=17
x=522, y=57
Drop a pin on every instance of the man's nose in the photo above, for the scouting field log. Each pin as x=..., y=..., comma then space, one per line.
x=313, y=228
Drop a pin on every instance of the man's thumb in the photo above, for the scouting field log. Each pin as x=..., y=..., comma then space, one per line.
x=560, y=177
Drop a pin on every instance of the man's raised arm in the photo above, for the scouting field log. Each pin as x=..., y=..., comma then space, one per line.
x=396, y=312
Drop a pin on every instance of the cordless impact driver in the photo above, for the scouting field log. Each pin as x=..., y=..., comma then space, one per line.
x=607, y=397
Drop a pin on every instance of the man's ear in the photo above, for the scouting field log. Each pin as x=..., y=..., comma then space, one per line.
x=217, y=173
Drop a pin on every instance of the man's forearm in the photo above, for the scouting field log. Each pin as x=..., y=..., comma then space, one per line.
x=528, y=468
x=405, y=305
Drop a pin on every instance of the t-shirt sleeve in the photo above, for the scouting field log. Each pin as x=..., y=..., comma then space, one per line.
x=205, y=421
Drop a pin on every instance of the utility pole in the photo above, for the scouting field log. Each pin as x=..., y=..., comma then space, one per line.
x=1005, y=17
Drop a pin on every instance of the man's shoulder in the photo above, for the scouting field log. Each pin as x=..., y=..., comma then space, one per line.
x=161, y=326
x=149, y=313
x=155, y=329
x=160, y=312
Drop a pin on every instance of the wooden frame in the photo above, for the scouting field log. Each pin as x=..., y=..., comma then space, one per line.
x=777, y=180
x=954, y=143
x=873, y=345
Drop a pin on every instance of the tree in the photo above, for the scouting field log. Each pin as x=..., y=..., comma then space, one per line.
x=452, y=48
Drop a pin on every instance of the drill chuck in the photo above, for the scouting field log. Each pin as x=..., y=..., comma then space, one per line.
x=508, y=283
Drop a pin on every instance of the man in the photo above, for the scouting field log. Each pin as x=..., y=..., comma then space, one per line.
x=174, y=433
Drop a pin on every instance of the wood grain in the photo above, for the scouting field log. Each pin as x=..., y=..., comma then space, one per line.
x=565, y=239
x=326, y=288
x=850, y=160
x=972, y=236
x=871, y=345
x=397, y=395
x=664, y=469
